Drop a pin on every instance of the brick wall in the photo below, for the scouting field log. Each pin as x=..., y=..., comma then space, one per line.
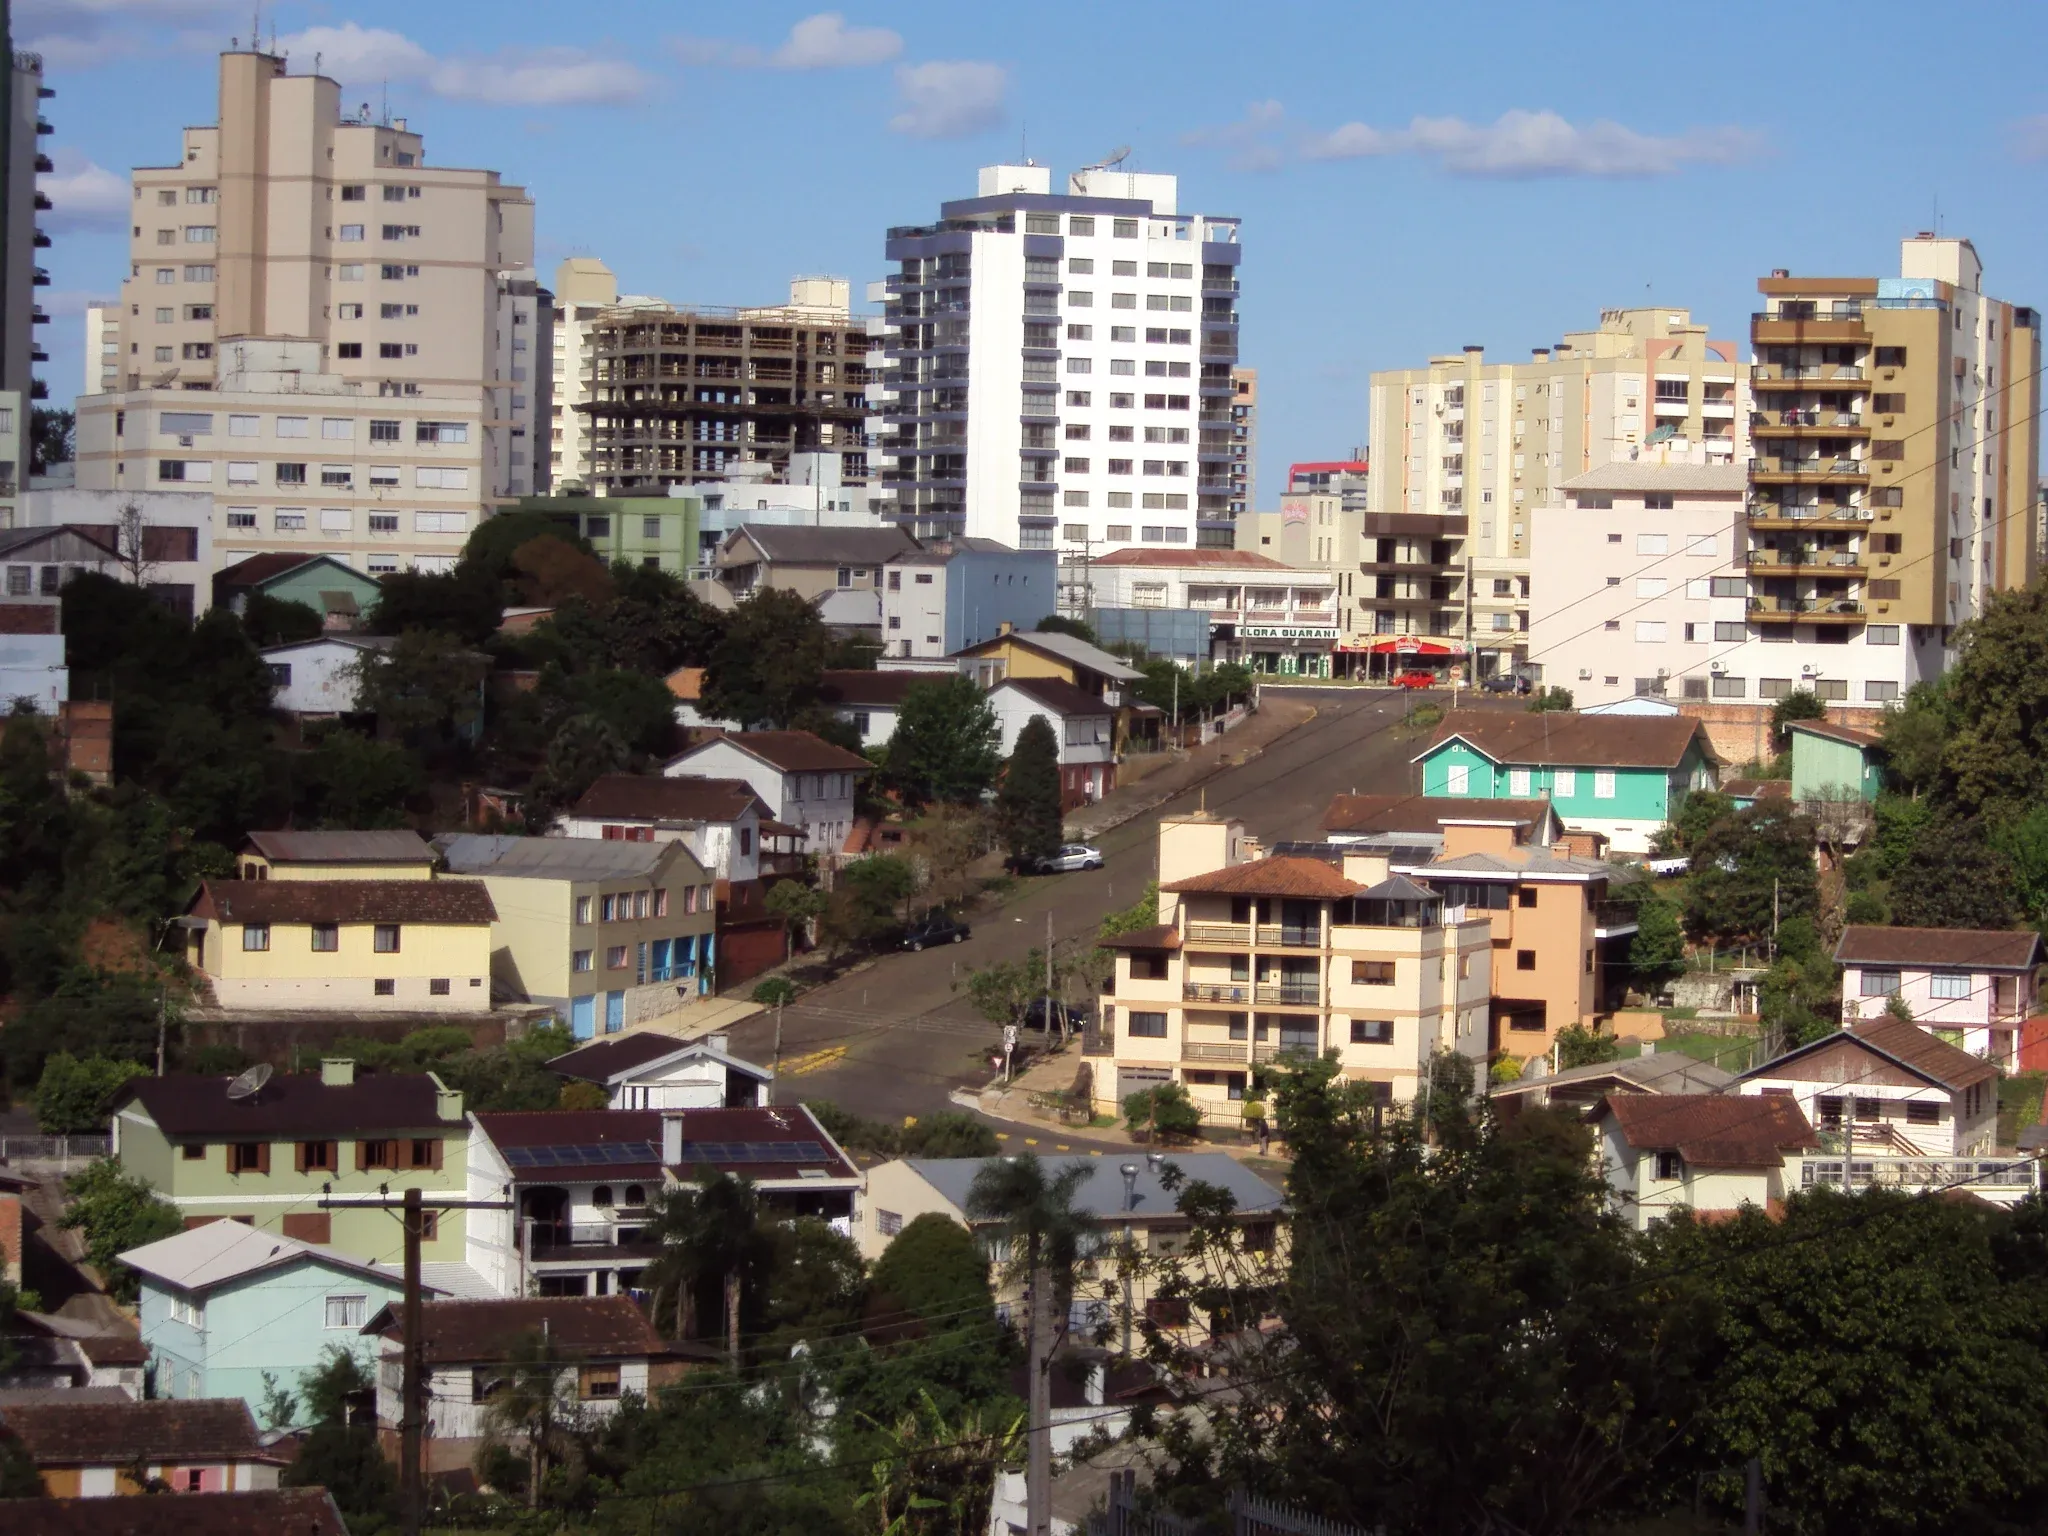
x=1741, y=733
x=10, y=1236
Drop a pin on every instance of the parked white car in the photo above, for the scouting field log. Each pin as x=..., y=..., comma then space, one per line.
x=1070, y=856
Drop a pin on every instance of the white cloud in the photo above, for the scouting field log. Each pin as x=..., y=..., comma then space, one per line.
x=1527, y=144
x=949, y=99
x=84, y=196
x=1254, y=142
x=825, y=41
x=543, y=77
x=79, y=34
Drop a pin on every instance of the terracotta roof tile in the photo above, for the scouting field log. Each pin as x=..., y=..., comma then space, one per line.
x=854, y=686
x=1573, y=740
x=1843, y=733
x=385, y=847
x=1987, y=949
x=1158, y=936
x=270, y=1512
x=163, y=1430
x=581, y=1327
x=185, y=1104
x=1425, y=813
x=1913, y=1047
x=1058, y=695
x=651, y=797
x=345, y=901
x=1713, y=1130
x=1308, y=879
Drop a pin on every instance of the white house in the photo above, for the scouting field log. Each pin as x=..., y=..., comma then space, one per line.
x=321, y=676
x=1710, y=1153
x=1888, y=1088
x=163, y=539
x=870, y=701
x=1083, y=725
x=647, y=1070
x=806, y=782
x=720, y=820
x=1971, y=987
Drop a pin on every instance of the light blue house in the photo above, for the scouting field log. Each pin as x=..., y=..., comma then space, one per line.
x=1834, y=762
x=1621, y=776
x=223, y=1303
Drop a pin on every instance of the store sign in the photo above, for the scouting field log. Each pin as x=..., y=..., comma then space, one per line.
x=1271, y=632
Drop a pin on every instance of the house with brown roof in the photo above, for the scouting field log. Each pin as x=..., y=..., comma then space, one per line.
x=1417, y=822
x=805, y=781
x=323, y=855
x=1260, y=958
x=1971, y=987
x=362, y=946
x=605, y=1344
x=1709, y=1153
x=1082, y=724
x=97, y=1450
x=870, y=700
x=218, y=1150
x=332, y=588
x=647, y=1070
x=1619, y=775
x=581, y=1183
x=1834, y=762
x=299, y=1511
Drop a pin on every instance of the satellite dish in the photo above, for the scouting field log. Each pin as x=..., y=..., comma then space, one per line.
x=1115, y=158
x=250, y=1083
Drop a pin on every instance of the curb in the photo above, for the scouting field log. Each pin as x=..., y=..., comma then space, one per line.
x=1196, y=783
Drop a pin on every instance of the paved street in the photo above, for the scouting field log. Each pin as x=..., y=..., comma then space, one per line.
x=894, y=1038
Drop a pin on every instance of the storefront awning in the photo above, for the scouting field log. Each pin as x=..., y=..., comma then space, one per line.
x=1408, y=645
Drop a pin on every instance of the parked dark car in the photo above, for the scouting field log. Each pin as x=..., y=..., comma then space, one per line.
x=1505, y=682
x=1038, y=1015
x=934, y=928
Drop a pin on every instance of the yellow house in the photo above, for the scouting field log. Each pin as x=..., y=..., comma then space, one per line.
x=391, y=855
x=1026, y=654
x=410, y=946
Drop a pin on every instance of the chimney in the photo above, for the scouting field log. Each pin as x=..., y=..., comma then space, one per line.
x=337, y=1072
x=719, y=1042
x=1005, y=627
x=447, y=1101
x=1561, y=850
x=672, y=1140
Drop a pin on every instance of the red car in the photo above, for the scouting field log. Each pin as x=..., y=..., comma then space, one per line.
x=1414, y=679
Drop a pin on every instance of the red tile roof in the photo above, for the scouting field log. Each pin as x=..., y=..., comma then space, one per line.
x=1982, y=949
x=379, y=847
x=1425, y=813
x=462, y=1332
x=1058, y=695
x=270, y=1512
x=1571, y=740
x=1308, y=879
x=1914, y=1048
x=885, y=690
x=1159, y=936
x=345, y=901
x=1713, y=1130
x=294, y=1106
x=167, y=1430
x=651, y=797
x=1847, y=734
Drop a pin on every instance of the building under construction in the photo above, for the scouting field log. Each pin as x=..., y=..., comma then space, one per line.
x=680, y=396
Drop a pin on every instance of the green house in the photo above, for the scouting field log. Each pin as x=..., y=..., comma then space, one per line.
x=1621, y=776
x=340, y=594
x=1834, y=762
x=658, y=531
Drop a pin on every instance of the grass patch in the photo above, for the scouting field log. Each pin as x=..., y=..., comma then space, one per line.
x=2019, y=1104
x=1728, y=1052
x=1002, y=886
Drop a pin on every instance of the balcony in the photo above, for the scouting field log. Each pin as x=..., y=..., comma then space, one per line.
x=1232, y=1052
x=1238, y=992
x=1806, y=610
x=1805, y=421
x=1809, y=562
x=1280, y=936
x=1767, y=329
x=1806, y=375
x=1290, y=994
x=1611, y=919
x=1230, y=935
x=560, y=1240
x=1813, y=469
x=2009, y=1174
x=1765, y=513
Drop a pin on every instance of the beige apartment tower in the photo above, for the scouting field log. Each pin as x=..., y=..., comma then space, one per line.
x=1466, y=449
x=316, y=244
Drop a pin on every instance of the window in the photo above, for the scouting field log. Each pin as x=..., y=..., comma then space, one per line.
x=1670, y=1166
x=326, y=936
x=1372, y=973
x=1603, y=783
x=1518, y=783
x=166, y=274
x=352, y=272
x=597, y=1383
x=1651, y=586
x=1730, y=687
x=350, y=232
x=1457, y=779
x=1922, y=1112
x=199, y=234
x=192, y=1151
x=1652, y=631
x=248, y=1157
x=385, y=941
x=1123, y=301
x=440, y=478
x=615, y=958
x=1891, y=357
x=441, y=432
x=340, y=476
x=1951, y=986
x=383, y=522
x=348, y=1311
x=1127, y=229
x=1145, y=1026
x=1881, y=634
x=1525, y=959
x=255, y=936
x=1880, y=692
x=1880, y=983
x=187, y=1311
x=580, y=960
x=1074, y=466
x=348, y=349
x=1653, y=543
x=337, y=428
x=582, y=909
x=438, y=987
x=1371, y=1031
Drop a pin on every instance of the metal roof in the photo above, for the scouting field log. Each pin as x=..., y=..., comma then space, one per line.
x=1101, y=1194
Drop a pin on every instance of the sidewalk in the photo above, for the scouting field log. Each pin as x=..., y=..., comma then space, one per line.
x=1276, y=716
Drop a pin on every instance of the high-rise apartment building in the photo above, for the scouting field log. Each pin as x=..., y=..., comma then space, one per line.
x=681, y=395
x=1060, y=365
x=102, y=370
x=1244, y=442
x=317, y=248
x=584, y=290
x=21, y=159
x=1464, y=450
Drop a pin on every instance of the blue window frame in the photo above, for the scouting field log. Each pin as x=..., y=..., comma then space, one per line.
x=614, y=1012
x=583, y=1017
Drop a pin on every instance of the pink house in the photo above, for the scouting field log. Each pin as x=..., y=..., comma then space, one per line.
x=1972, y=987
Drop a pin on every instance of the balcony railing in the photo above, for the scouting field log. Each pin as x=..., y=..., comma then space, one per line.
x=1230, y=1051
x=1290, y=993
x=1284, y=936
x=1215, y=992
x=556, y=1239
x=1808, y=511
x=1772, y=373
x=1918, y=1172
x=1236, y=935
x=1818, y=607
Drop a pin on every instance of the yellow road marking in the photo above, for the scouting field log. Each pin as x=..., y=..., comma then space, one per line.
x=796, y=1066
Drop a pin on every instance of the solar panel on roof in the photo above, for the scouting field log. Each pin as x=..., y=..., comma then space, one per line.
x=754, y=1152
x=585, y=1155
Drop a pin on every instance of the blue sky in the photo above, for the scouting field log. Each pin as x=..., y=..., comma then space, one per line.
x=1412, y=178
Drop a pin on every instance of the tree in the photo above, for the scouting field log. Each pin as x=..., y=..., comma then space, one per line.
x=116, y=1212
x=815, y=1279
x=273, y=621
x=765, y=669
x=52, y=433
x=1059, y=624
x=1916, y=733
x=1994, y=763
x=2023, y=845
x=583, y=750
x=464, y=603
x=868, y=898
x=549, y=571
x=639, y=709
x=945, y=744
x=1657, y=952
x=710, y=1235
x=797, y=904
x=533, y=1400
x=1165, y=1112
x=1954, y=879
x=427, y=683
x=1544, y=699
x=492, y=543
x=1799, y=704
x=947, y=842
x=280, y=1404
x=355, y=781
x=73, y=1093
x=1003, y=990
x=1578, y=1046
x=1879, y=1354
x=1043, y=1232
x=1751, y=870
x=1700, y=810
x=1028, y=803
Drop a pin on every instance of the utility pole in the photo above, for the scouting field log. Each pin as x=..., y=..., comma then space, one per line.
x=777, y=1068
x=1038, y=1431
x=162, y=1027
x=1048, y=973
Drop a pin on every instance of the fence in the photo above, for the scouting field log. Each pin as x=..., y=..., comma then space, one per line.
x=62, y=1150
x=1246, y=1514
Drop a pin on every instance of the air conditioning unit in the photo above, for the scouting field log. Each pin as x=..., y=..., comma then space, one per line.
x=1718, y=668
x=1585, y=674
x=1809, y=670
x=184, y=442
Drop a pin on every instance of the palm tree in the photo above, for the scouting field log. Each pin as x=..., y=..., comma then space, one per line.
x=530, y=1400
x=1042, y=1232
x=712, y=1229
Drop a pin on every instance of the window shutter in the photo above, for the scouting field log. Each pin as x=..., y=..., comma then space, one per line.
x=263, y=1157
x=362, y=1156
x=434, y=1160
x=299, y=1157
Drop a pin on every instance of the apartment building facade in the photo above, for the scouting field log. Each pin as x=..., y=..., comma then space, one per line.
x=585, y=289
x=1258, y=958
x=1893, y=487
x=682, y=395
x=1269, y=616
x=1244, y=441
x=1060, y=365
x=1465, y=450
x=22, y=127
x=295, y=248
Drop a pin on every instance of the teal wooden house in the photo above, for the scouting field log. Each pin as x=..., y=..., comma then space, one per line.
x=1622, y=776
x=1834, y=762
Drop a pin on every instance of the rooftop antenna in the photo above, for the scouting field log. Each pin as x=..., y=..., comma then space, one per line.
x=249, y=1083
